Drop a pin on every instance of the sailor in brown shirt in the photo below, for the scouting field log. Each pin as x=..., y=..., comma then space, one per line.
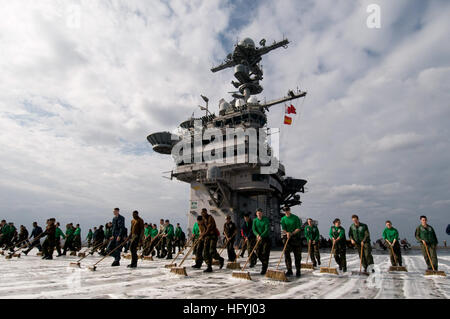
x=136, y=235
x=50, y=241
x=210, y=241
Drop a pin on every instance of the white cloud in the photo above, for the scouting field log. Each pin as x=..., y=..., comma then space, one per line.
x=77, y=103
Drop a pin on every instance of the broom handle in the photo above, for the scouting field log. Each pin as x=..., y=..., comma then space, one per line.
x=108, y=254
x=429, y=257
x=249, y=256
x=282, y=253
x=35, y=238
x=393, y=253
x=190, y=250
x=360, y=259
x=179, y=252
x=331, y=254
x=242, y=248
x=94, y=248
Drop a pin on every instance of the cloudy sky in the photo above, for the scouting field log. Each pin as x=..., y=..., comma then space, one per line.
x=82, y=83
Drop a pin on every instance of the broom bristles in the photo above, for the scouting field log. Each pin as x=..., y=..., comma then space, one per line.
x=307, y=266
x=170, y=265
x=179, y=271
x=234, y=265
x=435, y=273
x=148, y=258
x=276, y=274
x=397, y=268
x=241, y=275
x=329, y=270
x=75, y=265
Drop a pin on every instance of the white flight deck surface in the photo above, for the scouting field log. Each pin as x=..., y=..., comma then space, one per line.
x=32, y=277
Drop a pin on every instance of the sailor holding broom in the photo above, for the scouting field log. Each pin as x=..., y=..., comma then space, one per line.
x=291, y=227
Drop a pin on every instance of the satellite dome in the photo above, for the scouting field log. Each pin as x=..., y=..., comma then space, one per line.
x=252, y=100
x=247, y=42
x=224, y=105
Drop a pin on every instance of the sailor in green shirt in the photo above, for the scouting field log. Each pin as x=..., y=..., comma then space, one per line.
x=147, y=229
x=390, y=236
x=426, y=236
x=58, y=234
x=154, y=231
x=77, y=238
x=360, y=236
x=168, y=235
x=261, y=229
x=89, y=237
x=291, y=227
x=68, y=244
x=313, y=237
x=198, y=245
x=337, y=234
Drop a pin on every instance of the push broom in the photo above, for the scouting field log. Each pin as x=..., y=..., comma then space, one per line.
x=307, y=265
x=15, y=254
x=173, y=264
x=245, y=274
x=395, y=268
x=360, y=273
x=276, y=274
x=329, y=269
x=78, y=262
x=150, y=258
x=94, y=266
x=182, y=270
x=216, y=262
x=235, y=264
x=432, y=272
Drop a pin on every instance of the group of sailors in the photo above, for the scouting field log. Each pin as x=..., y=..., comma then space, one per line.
x=256, y=239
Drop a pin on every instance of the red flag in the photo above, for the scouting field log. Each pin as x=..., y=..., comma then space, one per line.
x=291, y=109
x=287, y=120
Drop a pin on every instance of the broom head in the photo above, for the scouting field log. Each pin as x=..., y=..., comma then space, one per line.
x=242, y=275
x=276, y=275
x=82, y=255
x=234, y=265
x=216, y=262
x=92, y=268
x=179, y=271
x=150, y=258
x=16, y=255
x=73, y=253
x=2, y=253
x=397, y=268
x=329, y=270
x=435, y=273
x=307, y=266
x=170, y=265
x=39, y=254
x=76, y=265
x=8, y=256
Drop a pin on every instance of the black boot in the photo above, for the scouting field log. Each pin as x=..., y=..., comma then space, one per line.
x=221, y=261
x=208, y=269
x=197, y=266
x=169, y=256
x=132, y=266
x=298, y=273
x=344, y=269
x=263, y=270
x=289, y=272
x=115, y=263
